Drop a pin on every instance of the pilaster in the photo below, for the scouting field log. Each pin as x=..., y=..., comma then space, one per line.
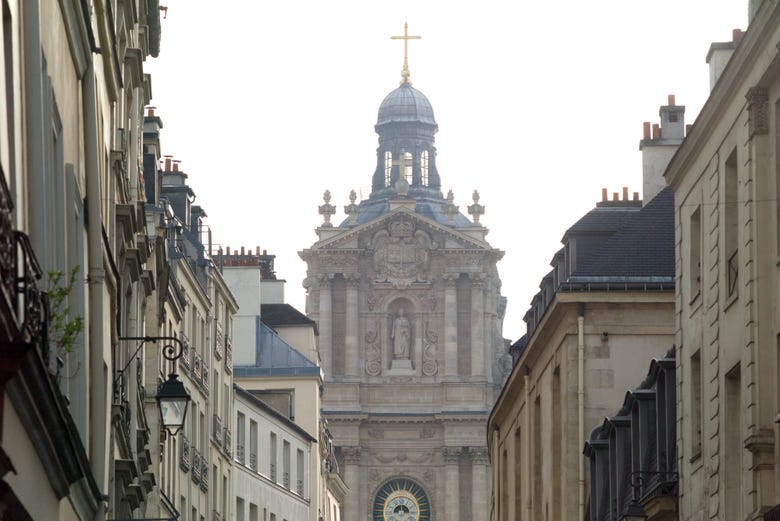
x=351, y=340
x=352, y=479
x=478, y=356
x=450, y=326
x=326, y=325
x=480, y=483
x=451, y=482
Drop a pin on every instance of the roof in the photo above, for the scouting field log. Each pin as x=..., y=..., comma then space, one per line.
x=260, y=404
x=643, y=246
x=280, y=315
x=429, y=204
x=405, y=104
x=275, y=357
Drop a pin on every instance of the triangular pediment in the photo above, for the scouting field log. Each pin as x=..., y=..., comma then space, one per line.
x=453, y=238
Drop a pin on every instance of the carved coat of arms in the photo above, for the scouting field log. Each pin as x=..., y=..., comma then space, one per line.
x=401, y=254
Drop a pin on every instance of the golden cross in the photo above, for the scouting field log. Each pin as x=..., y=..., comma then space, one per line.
x=405, y=72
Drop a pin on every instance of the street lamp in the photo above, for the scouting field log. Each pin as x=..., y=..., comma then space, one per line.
x=172, y=397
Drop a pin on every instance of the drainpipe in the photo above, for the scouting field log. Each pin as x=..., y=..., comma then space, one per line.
x=98, y=450
x=581, y=405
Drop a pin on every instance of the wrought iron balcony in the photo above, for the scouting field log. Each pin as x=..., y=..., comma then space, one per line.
x=228, y=440
x=204, y=475
x=219, y=346
x=197, y=365
x=184, y=457
x=216, y=516
x=228, y=354
x=217, y=430
x=286, y=480
x=204, y=381
x=299, y=487
x=240, y=453
x=196, y=465
x=273, y=472
x=186, y=356
x=253, y=461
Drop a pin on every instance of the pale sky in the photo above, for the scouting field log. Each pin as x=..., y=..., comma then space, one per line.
x=539, y=105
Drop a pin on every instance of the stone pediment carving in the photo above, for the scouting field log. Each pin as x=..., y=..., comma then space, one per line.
x=347, y=239
x=401, y=254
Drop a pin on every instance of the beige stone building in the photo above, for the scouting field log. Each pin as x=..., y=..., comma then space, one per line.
x=726, y=179
x=406, y=296
x=604, y=311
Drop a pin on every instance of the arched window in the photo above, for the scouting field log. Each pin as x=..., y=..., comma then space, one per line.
x=424, y=168
x=407, y=162
x=388, y=167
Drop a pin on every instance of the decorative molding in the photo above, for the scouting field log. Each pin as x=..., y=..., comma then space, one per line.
x=426, y=433
x=451, y=454
x=479, y=455
x=430, y=365
x=373, y=351
x=351, y=455
x=376, y=433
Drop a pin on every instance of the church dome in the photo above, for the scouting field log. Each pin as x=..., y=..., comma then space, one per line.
x=405, y=104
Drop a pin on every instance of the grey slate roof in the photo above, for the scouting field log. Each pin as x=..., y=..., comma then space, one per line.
x=276, y=315
x=275, y=357
x=642, y=247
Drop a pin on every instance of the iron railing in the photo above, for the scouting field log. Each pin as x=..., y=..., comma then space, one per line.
x=219, y=346
x=228, y=354
x=217, y=430
x=184, y=456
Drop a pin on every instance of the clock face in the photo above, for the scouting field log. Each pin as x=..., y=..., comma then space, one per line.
x=401, y=499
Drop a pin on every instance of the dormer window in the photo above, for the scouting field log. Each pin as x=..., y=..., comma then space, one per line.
x=388, y=167
x=424, y=168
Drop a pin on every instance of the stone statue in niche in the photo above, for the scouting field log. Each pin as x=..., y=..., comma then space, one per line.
x=401, y=334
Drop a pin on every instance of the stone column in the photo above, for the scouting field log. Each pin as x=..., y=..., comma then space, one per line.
x=351, y=341
x=450, y=326
x=479, y=483
x=326, y=325
x=478, y=356
x=352, y=480
x=451, y=483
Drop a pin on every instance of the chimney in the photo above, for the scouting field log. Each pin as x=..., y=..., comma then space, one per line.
x=625, y=193
x=658, y=150
x=719, y=55
x=603, y=194
x=167, y=163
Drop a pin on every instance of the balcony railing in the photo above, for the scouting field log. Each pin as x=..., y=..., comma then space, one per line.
x=299, y=487
x=217, y=430
x=197, y=365
x=204, y=475
x=185, y=359
x=204, y=381
x=216, y=516
x=286, y=480
x=253, y=461
x=196, y=465
x=228, y=354
x=273, y=472
x=23, y=306
x=219, y=346
x=228, y=440
x=184, y=456
x=240, y=453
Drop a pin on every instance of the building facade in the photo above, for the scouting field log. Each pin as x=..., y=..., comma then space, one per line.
x=406, y=296
x=279, y=377
x=726, y=181
x=607, y=303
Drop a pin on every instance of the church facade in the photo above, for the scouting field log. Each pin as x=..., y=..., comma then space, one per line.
x=407, y=299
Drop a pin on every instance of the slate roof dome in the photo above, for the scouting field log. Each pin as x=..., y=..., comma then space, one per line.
x=407, y=105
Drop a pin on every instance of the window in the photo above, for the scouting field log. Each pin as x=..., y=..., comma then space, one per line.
x=272, y=469
x=240, y=425
x=240, y=509
x=694, y=257
x=286, y=463
x=733, y=446
x=388, y=168
x=408, y=166
x=424, y=168
x=730, y=221
x=299, y=472
x=696, y=404
x=253, y=445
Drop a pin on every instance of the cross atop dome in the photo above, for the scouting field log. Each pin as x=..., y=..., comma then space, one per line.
x=405, y=71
